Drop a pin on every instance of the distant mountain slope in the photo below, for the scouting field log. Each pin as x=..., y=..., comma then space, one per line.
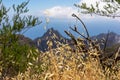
x=55, y=39
x=52, y=37
x=113, y=38
x=25, y=40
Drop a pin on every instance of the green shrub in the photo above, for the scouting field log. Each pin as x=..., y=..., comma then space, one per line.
x=15, y=57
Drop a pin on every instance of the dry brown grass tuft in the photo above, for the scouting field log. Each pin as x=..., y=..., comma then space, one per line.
x=65, y=64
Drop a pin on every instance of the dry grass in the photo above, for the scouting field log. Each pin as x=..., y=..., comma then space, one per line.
x=64, y=64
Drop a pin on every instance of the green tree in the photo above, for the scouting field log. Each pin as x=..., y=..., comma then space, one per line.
x=15, y=57
x=110, y=9
x=118, y=1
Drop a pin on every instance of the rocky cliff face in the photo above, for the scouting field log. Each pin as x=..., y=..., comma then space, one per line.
x=25, y=40
x=51, y=38
x=54, y=39
x=113, y=38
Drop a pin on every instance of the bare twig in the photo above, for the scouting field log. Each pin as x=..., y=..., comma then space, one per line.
x=80, y=34
x=74, y=15
x=72, y=37
x=106, y=40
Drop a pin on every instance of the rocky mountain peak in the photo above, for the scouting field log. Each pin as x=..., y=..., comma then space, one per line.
x=51, y=33
x=52, y=36
x=113, y=38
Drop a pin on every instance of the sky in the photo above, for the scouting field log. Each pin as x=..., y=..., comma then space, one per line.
x=58, y=13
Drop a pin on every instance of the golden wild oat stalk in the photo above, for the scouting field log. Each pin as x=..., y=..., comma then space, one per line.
x=76, y=61
x=64, y=63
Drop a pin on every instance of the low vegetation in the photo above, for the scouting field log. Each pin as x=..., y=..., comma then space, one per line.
x=66, y=63
x=83, y=59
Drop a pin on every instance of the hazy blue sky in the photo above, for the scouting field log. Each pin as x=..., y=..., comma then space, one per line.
x=58, y=9
x=59, y=13
x=40, y=5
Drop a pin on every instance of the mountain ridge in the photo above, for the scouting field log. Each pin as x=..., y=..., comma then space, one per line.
x=113, y=38
x=55, y=37
x=52, y=36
